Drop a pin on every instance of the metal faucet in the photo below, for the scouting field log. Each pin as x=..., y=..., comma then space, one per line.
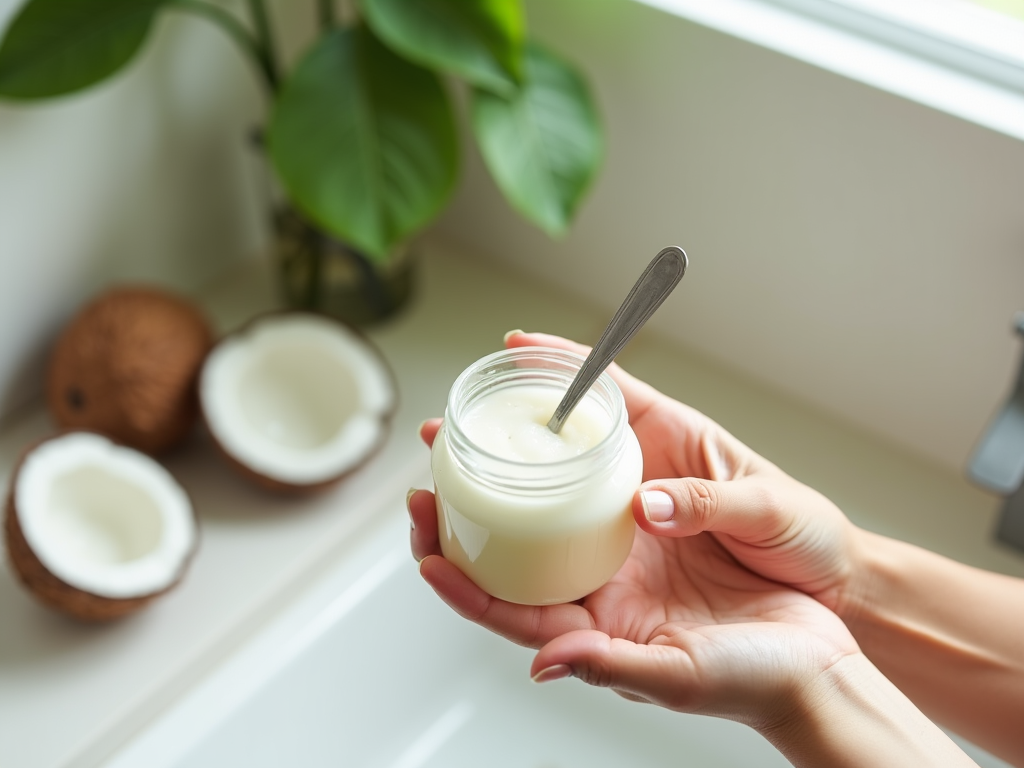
x=998, y=460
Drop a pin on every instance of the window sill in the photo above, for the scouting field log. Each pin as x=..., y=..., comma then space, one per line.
x=986, y=90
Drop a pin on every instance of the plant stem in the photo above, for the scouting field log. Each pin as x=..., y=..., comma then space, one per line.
x=266, y=39
x=316, y=246
x=236, y=31
x=328, y=18
x=377, y=298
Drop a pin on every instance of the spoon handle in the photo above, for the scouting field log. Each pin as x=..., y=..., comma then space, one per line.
x=655, y=284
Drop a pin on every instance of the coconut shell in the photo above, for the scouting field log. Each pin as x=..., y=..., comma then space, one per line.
x=54, y=592
x=275, y=485
x=298, y=489
x=126, y=366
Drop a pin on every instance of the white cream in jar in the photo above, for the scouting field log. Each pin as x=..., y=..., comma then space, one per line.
x=533, y=517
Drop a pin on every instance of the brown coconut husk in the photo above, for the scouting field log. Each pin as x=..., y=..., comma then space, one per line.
x=307, y=489
x=126, y=366
x=52, y=591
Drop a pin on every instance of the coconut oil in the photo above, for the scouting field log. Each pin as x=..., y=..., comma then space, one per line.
x=530, y=516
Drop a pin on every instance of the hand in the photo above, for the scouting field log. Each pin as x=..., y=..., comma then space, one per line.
x=683, y=624
x=700, y=478
x=700, y=617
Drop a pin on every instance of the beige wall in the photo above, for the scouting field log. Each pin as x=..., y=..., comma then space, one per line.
x=858, y=251
x=861, y=252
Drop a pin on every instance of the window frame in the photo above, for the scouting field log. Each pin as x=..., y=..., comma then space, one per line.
x=960, y=58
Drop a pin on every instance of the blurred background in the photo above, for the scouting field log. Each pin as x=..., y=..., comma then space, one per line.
x=853, y=247
x=847, y=177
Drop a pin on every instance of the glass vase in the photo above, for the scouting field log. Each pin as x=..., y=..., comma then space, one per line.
x=321, y=274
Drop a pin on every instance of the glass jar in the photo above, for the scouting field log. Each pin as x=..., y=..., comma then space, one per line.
x=535, y=533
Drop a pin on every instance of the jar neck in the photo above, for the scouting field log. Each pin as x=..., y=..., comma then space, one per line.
x=532, y=366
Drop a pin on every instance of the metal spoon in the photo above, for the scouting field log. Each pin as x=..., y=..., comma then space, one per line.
x=655, y=284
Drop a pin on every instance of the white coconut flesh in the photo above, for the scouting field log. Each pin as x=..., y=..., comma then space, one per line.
x=105, y=519
x=296, y=398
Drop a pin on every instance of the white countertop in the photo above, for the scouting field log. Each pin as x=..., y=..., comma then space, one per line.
x=70, y=694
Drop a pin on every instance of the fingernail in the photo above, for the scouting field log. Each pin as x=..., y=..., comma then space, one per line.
x=408, y=498
x=510, y=334
x=658, y=506
x=423, y=423
x=557, y=672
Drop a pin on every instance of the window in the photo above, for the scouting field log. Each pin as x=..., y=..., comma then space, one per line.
x=965, y=57
x=1013, y=8
x=963, y=35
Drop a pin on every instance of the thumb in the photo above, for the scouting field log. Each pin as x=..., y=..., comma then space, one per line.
x=659, y=674
x=747, y=509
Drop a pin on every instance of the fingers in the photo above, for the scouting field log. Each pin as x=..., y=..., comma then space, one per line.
x=746, y=509
x=662, y=674
x=515, y=339
x=423, y=516
x=638, y=395
x=428, y=431
x=527, y=625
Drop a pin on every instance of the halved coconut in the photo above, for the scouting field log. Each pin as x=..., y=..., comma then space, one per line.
x=95, y=529
x=296, y=400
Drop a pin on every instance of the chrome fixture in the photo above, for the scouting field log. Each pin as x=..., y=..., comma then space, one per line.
x=998, y=460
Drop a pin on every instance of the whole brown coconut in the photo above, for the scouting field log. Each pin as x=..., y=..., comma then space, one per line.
x=126, y=366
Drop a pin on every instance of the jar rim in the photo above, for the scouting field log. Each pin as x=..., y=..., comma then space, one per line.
x=505, y=367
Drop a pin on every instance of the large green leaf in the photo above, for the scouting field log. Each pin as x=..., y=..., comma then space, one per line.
x=58, y=46
x=543, y=145
x=364, y=142
x=479, y=40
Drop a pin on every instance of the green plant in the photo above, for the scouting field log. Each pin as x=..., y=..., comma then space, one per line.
x=362, y=132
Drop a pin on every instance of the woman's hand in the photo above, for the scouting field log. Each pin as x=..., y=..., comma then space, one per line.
x=682, y=625
x=699, y=478
x=686, y=623
x=723, y=606
x=685, y=626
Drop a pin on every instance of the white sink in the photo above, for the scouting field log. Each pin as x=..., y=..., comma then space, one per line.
x=369, y=668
